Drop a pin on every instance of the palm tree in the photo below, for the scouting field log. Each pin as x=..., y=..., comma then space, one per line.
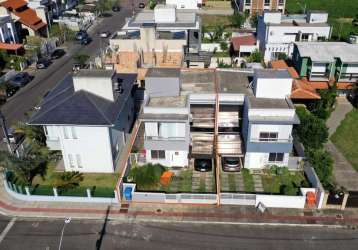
x=67, y=180
x=24, y=168
x=33, y=134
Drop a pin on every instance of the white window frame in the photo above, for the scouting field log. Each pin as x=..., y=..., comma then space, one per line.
x=276, y=154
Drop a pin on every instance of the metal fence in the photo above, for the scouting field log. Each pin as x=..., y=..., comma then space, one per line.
x=238, y=199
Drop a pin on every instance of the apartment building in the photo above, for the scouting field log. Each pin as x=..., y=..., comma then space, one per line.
x=162, y=37
x=277, y=33
x=88, y=118
x=257, y=7
x=204, y=114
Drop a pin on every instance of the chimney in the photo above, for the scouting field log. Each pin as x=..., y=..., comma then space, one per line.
x=97, y=82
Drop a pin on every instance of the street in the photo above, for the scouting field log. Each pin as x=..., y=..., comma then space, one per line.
x=29, y=96
x=85, y=234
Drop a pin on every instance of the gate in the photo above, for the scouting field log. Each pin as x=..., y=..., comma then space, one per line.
x=352, y=199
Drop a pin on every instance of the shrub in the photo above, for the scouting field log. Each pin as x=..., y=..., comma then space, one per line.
x=322, y=162
x=223, y=46
x=312, y=131
x=237, y=20
x=323, y=108
x=146, y=176
x=256, y=56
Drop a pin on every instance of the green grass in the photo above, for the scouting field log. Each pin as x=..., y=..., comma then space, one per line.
x=341, y=13
x=346, y=138
x=211, y=21
x=202, y=186
x=186, y=183
x=181, y=183
x=248, y=181
x=272, y=183
x=232, y=182
x=89, y=179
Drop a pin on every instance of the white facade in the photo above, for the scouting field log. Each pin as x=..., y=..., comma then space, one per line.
x=277, y=33
x=78, y=144
x=255, y=160
x=269, y=88
x=185, y=4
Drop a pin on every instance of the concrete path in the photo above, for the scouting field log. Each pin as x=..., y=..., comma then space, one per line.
x=338, y=115
x=258, y=183
x=343, y=172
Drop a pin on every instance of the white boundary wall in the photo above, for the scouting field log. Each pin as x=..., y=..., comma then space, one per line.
x=281, y=201
x=25, y=197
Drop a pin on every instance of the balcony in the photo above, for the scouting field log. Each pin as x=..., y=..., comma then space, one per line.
x=348, y=77
x=319, y=76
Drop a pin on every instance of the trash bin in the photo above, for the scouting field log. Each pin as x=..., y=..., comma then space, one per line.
x=310, y=199
x=128, y=193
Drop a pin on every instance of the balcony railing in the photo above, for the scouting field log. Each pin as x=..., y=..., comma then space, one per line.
x=348, y=76
x=271, y=140
x=161, y=138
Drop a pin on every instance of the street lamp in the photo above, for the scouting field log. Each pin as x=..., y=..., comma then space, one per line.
x=67, y=221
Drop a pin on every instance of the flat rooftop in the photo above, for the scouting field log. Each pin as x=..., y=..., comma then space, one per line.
x=197, y=81
x=273, y=73
x=168, y=102
x=234, y=82
x=269, y=103
x=328, y=51
x=94, y=73
x=163, y=72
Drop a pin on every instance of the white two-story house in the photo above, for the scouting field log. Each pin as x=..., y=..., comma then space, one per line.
x=251, y=110
x=87, y=117
x=277, y=33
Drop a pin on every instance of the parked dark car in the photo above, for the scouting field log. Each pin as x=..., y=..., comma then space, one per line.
x=141, y=5
x=203, y=165
x=21, y=79
x=57, y=53
x=116, y=8
x=43, y=63
x=231, y=164
x=80, y=35
x=86, y=40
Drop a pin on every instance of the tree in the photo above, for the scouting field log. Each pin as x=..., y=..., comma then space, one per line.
x=223, y=46
x=152, y=4
x=146, y=176
x=354, y=95
x=254, y=21
x=33, y=134
x=67, y=180
x=323, y=107
x=237, y=20
x=322, y=162
x=217, y=33
x=104, y=5
x=311, y=131
x=24, y=168
x=256, y=56
x=81, y=59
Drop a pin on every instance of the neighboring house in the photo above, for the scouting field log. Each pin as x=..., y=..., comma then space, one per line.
x=277, y=33
x=255, y=7
x=88, y=118
x=323, y=63
x=254, y=117
x=185, y=4
x=27, y=21
x=7, y=28
x=243, y=45
x=160, y=37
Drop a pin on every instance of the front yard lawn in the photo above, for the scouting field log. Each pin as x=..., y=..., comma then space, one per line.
x=346, y=138
x=278, y=184
x=248, y=181
x=211, y=21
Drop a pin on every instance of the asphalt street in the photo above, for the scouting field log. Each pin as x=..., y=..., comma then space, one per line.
x=46, y=234
x=28, y=97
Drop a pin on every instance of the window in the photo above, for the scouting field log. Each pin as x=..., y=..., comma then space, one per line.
x=79, y=162
x=267, y=2
x=71, y=161
x=305, y=37
x=157, y=154
x=276, y=157
x=268, y=136
x=73, y=132
x=247, y=2
x=281, y=2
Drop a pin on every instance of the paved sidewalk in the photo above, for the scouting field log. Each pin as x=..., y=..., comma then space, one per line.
x=343, y=172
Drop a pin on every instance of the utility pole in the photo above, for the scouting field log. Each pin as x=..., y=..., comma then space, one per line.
x=4, y=129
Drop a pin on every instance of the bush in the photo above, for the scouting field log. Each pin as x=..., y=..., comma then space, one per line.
x=223, y=46
x=323, y=108
x=237, y=20
x=322, y=162
x=312, y=131
x=256, y=56
x=146, y=176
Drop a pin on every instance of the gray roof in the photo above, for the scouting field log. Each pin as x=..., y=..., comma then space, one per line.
x=269, y=103
x=328, y=51
x=163, y=117
x=272, y=73
x=163, y=72
x=64, y=106
x=233, y=81
x=95, y=73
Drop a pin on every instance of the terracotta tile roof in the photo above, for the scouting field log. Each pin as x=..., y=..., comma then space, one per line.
x=303, y=90
x=281, y=64
x=27, y=16
x=10, y=46
x=243, y=40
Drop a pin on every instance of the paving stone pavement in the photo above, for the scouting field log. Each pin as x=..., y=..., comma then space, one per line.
x=258, y=183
